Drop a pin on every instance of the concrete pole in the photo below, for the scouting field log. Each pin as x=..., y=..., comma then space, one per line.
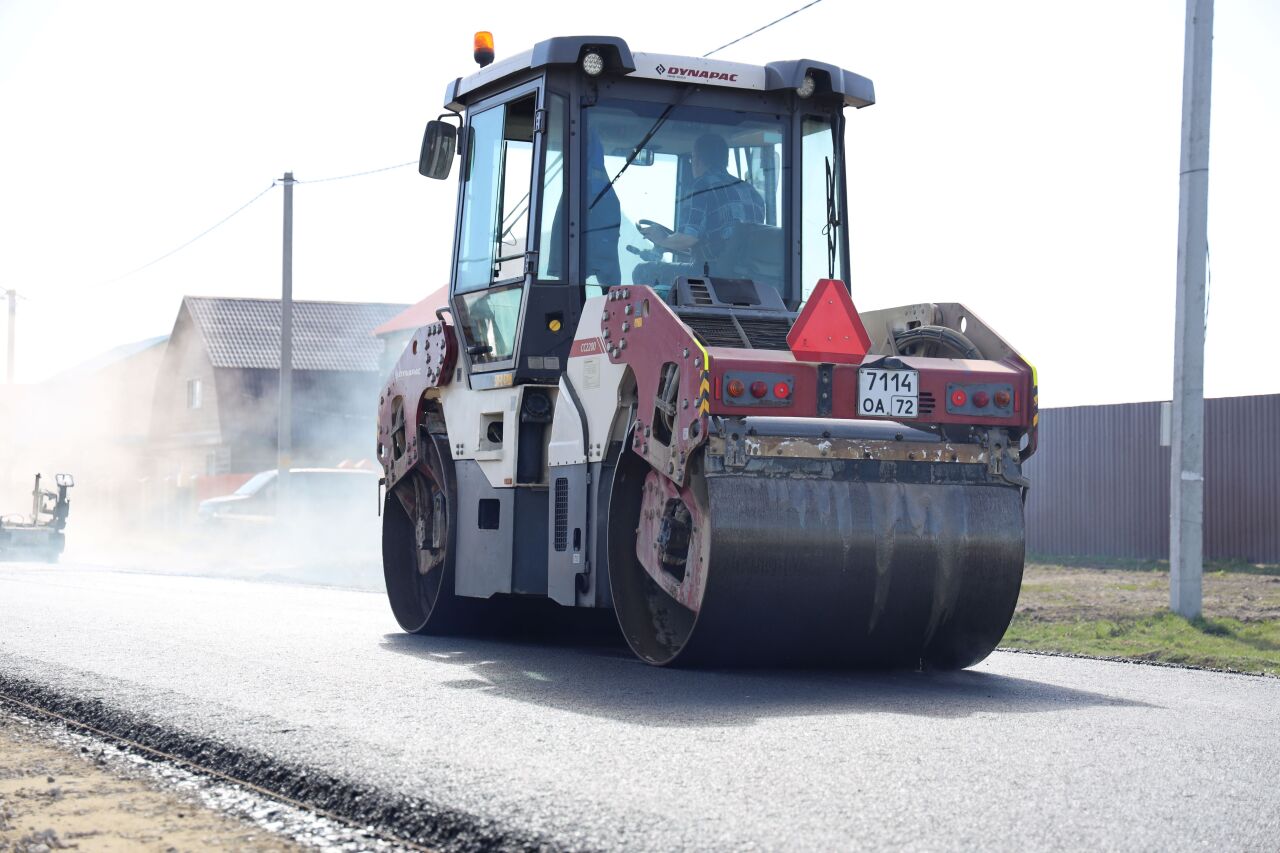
x=13, y=331
x=284, y=430
x=1186, y=493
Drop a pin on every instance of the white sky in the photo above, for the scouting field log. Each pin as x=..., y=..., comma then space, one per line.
x=1022, y=159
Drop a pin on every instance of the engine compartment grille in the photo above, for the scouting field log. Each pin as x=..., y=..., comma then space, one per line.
x=766, y=333
x=714, y=331
x=740, y=332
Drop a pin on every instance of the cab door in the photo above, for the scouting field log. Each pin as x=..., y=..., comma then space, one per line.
x=492, y=255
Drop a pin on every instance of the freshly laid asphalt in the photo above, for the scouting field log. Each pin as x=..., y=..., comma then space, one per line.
x=577, y=745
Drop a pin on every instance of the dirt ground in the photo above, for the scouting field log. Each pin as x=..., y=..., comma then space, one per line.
x=1061, y=593
x=55, y=797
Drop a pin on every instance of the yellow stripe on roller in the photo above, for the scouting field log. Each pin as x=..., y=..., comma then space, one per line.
x=704, y=387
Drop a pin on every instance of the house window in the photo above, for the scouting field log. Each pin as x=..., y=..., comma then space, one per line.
x=195, y=394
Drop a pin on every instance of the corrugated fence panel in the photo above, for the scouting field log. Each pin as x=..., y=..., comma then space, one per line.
x=1242, y=468
x=1100, y=481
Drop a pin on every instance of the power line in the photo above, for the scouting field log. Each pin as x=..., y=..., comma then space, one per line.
x=358, y=174
x=762, y=29
x=225, y=219
x=206, y=231
x=239, y=209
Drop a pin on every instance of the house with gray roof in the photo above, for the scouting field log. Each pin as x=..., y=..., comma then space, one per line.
x=216, y=402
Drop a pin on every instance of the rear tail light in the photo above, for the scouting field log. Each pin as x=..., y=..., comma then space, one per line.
x=757, y=388
x=981, y=399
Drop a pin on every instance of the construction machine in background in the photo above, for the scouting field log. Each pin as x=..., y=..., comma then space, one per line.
x=651, y=390
x=38, y=536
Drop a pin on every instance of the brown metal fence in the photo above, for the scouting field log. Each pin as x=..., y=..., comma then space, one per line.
x=1100, y=481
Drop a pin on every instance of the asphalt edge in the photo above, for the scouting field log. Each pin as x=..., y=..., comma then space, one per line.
x=411, y=820
x=1167, y=664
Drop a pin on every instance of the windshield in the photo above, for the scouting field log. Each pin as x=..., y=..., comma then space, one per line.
x=256, y=482
x=704, y=195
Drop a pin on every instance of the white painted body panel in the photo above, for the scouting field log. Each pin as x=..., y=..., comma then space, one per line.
x=467, y=415
x=689, y=69
x=598, y=383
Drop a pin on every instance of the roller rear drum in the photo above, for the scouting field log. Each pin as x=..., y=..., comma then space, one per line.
x=820, y=563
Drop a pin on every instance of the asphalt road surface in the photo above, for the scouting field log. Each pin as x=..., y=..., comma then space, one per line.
x=580, y=746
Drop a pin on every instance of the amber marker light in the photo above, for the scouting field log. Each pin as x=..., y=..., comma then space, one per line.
x=484, y=48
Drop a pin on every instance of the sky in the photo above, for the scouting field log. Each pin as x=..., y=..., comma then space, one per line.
x=1022, y=158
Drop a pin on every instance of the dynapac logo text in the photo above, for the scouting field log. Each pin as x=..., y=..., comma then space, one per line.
x=695, y=72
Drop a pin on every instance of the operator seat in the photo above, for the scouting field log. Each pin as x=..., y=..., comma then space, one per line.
x=754, y=251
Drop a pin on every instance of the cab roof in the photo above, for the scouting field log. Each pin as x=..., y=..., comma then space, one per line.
x=831, y=80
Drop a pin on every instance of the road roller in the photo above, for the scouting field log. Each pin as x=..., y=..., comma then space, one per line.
x=650, y=388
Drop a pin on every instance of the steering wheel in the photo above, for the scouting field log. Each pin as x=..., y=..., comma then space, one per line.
x=663, y=231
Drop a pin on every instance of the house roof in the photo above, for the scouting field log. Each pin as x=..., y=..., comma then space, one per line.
x=110, y=357
x=245, y=333
x=417, y=315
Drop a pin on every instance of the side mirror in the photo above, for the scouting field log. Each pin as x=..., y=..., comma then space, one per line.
x=438, y=146
x=65, y=480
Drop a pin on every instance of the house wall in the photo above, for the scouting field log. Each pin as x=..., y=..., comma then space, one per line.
x=186, y=442
x=334, y=417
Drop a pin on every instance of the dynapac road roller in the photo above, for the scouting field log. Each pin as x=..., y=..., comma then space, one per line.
x=651, y=389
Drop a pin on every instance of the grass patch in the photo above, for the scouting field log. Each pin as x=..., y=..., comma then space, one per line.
x=1139, y=564
x=1219, y=643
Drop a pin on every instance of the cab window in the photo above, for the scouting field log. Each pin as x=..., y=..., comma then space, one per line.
x=820, y=205
x=673, y=191
x=494, y=230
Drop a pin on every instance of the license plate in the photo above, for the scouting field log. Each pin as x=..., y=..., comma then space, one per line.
x=888, y=393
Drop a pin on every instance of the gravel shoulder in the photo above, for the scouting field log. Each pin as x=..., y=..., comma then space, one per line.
x=56, y=795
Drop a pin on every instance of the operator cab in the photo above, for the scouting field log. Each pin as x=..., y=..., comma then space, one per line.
x=585, y=166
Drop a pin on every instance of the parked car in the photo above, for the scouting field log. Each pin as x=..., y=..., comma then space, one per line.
x=324, y=495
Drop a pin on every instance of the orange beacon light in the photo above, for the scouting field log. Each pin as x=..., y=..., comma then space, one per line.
x=484, y=48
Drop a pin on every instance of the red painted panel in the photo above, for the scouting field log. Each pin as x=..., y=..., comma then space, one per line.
x=640, y=330
x=586, y=346
x=935, y=373
x=428, y=361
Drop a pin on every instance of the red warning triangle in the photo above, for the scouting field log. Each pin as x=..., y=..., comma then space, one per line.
x=829, y=328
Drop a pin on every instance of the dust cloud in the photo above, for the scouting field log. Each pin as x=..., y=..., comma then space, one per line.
x=140, y=483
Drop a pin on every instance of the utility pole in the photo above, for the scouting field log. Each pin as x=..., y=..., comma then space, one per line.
x=284, y=430
x=1186, y=491
x=13, y=330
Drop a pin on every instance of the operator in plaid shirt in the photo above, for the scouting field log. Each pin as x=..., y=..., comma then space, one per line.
x=715, y=201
